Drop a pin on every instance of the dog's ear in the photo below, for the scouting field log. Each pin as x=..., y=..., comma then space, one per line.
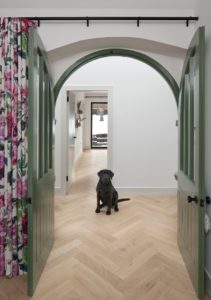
x=111, y=174
x=100, y=173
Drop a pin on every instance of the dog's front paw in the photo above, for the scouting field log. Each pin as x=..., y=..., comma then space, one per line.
x=97, y=210
x=116, y=209
x=108, y=212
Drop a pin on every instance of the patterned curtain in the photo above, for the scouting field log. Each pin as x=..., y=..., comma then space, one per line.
x=13, y=145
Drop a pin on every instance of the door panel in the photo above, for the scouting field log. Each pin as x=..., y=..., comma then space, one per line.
x=41, y=174
x=191, y=192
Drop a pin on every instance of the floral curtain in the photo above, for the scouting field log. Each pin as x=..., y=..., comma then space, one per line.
x=13, y=145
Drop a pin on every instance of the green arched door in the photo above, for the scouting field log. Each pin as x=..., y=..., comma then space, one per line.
x=191, y=189
x=41, y=173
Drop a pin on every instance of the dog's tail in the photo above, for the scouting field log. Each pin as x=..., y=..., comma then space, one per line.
x=123, y=199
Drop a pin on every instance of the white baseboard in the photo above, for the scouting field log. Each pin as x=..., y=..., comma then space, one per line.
x=208, y=281
x=134, y=191
x=59, y=191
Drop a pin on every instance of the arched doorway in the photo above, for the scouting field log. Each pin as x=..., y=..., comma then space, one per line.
x=119, y=52
x=65, y=178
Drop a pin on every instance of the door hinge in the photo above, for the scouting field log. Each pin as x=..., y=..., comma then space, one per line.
x=29, y=200
x=67, y=178
x=192, y=199
x=68, y=98
x=202, y=202
x=176, y=123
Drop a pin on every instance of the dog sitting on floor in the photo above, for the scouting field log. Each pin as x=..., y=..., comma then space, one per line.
x=106, y=193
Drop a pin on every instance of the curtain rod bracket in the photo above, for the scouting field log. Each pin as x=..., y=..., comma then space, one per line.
x=87, y=21
x=187, y=23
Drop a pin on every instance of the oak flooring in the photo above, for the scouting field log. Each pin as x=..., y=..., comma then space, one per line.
x=130, y=255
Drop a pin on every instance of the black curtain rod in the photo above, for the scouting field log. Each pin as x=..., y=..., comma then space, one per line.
x=137, y=19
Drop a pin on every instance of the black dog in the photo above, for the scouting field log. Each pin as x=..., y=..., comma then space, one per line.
x=106, y=193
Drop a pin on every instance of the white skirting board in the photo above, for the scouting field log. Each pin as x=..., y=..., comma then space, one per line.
x=59, y=191
x=208, y=281
x=130, y=191
x=134, y=191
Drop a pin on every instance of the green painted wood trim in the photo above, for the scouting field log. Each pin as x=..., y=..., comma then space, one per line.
x=119, y=52
x=30, y=251
x=201, y=42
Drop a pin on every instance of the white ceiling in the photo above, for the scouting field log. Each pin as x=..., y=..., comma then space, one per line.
x=100, y=4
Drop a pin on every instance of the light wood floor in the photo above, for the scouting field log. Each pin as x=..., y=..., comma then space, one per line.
x=130, y=255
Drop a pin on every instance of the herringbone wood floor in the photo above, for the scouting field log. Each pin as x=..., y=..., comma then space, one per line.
x=130, y=255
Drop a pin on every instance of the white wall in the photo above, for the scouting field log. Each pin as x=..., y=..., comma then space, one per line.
x=77, y=31
x=79, y=96
x=60, y=142
x=64, y=149
x=204, y=20
x=170, y=57
x=164, y=42
x=87, y=125
x=143, y=136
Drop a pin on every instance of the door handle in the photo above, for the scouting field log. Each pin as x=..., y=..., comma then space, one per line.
x=192, y=199
x=208, y=200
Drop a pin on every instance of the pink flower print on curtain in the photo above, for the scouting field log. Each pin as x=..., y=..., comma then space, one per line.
x=13, y=145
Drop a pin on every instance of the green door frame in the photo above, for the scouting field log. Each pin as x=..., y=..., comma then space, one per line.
x=118, y=52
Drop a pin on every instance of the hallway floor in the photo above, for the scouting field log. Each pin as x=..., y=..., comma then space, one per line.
x=130, y=255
